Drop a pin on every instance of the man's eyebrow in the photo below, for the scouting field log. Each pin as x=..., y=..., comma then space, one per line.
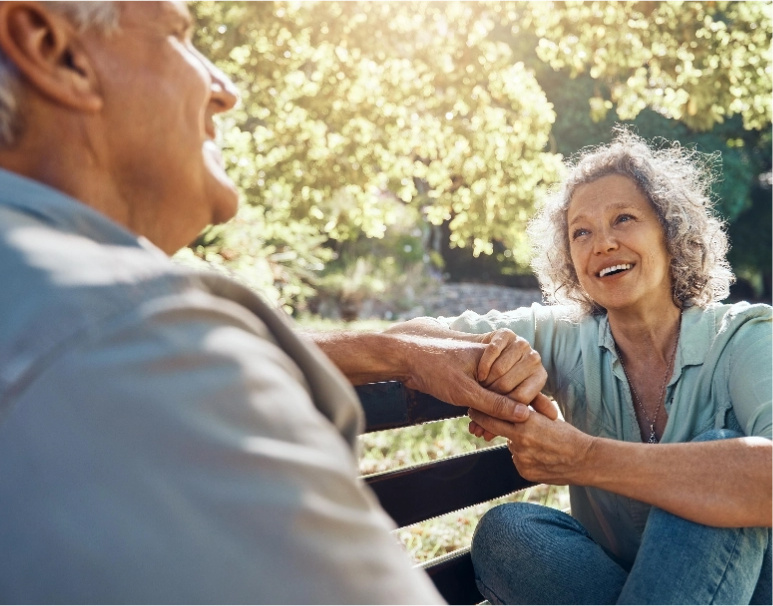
x=185, y=21
x=178, y=14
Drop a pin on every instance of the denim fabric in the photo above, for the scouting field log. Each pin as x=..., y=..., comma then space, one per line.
x=530, y=554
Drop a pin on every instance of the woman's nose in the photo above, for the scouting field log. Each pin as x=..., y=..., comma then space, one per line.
x=604, y=242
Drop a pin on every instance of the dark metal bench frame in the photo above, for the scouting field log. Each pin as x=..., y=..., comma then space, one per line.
x=421, y=492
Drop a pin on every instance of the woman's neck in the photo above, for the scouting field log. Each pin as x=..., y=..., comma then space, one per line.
x=646, y=337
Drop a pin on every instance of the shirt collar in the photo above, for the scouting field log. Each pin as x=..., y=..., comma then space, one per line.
x=694, y=340
x=56, y=208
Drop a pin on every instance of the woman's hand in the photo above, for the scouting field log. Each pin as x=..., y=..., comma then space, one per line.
x=544, y=450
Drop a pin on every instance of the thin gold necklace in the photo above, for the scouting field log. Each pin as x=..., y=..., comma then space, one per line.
x=653, y=438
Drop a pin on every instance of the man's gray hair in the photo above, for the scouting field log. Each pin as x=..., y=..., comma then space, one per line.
x=84, y=15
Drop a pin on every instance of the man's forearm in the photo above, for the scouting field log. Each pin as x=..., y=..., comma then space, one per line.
x=442, y=366
x=365, y=357
x=395, y=354
x=429, y=327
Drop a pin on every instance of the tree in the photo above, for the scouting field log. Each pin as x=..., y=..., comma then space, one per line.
x=698, y=62
x=351, y=107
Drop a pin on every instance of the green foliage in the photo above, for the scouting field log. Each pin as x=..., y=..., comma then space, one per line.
x=751, y=237
x=698, y=62
x=378, y=276
x=265, y=250
x=459, y=111
x=348, y=104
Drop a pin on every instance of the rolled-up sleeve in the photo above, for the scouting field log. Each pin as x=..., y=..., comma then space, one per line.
x=750, y=374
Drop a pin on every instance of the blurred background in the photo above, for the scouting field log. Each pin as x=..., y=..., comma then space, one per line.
x=390, y=154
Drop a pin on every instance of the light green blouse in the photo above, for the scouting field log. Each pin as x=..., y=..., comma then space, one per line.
x=722, y=379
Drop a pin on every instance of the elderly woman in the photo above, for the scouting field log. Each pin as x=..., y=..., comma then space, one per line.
x=666, y=396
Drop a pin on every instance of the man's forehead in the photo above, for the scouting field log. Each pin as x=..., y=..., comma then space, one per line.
x=159, y=9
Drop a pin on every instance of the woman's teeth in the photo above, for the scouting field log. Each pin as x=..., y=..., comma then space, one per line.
x=614, y=269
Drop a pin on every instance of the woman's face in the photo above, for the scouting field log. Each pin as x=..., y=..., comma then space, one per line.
x=618, y=246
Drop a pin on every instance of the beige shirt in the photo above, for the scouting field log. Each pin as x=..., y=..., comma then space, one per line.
x=165, y=437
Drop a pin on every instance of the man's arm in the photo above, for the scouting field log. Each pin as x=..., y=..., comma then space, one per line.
x=437, y=361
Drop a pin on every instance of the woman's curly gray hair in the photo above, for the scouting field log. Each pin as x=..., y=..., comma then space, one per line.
x=85, y=15
x=677, y=183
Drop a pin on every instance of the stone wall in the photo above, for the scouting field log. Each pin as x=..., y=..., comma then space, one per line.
x=453, y=299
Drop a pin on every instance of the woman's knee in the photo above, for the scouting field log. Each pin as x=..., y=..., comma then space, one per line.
x=530, y=554
x=495, y=535
x=516, y=531
x=726, y=565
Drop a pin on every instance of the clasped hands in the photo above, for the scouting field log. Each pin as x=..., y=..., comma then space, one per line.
x=544, y=449
x=498, y=377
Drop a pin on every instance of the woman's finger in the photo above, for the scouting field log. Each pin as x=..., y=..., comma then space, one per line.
x=544, y=405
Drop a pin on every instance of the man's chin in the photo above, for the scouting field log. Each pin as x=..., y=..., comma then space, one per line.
x=223, y=193
x=225, y=204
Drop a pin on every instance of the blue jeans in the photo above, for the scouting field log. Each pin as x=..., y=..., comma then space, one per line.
x=530, y=554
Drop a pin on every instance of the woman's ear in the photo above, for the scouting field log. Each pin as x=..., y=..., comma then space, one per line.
x=47, y=52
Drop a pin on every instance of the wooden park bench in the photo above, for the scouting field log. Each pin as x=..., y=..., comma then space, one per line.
x=427, y=490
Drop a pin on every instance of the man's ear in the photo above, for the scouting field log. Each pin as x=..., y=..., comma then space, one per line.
x=46, y=50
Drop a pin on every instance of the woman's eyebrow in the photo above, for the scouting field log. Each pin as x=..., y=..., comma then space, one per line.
x=616, y=206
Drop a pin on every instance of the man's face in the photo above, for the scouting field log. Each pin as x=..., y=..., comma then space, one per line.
x=157, y=143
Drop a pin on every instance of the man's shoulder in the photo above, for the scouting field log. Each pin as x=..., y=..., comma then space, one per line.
x=60, y=286
x=48, y=265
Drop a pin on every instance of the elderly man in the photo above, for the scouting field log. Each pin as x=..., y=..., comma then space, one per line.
x=164, y=435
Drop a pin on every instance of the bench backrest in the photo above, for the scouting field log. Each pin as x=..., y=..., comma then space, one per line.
x=423, y=491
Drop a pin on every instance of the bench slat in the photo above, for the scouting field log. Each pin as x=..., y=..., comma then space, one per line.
x=424, y=491
x=390, y=404
x=453, y=576
x=427, y=490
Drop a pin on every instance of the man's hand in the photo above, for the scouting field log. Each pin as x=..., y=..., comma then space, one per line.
x=510, y=366
x=507, y=366
x=447, y=370
x=434, y=360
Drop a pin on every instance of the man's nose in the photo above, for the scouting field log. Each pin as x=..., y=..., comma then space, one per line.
x=224, y=92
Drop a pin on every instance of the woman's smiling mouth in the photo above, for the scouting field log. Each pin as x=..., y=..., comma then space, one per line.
x=614, y=269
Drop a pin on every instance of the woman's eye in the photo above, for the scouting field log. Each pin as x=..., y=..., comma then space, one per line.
x=578, y=233
x=624, y=218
